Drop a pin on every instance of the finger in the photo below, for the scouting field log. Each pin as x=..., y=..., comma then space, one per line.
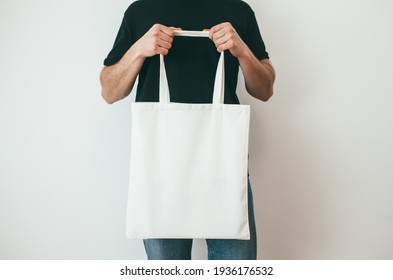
x=222, y=40
x=169, y=31
x=219, y=34
x=175, y=29
x=226, y=46
x=218, y=27
x=163, y=51
x=164, y=44
x=165, y=38
x=163, y=32
x=169, y=37
x=160, y=50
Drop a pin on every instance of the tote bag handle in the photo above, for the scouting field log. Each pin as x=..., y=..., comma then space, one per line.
x=219, y=84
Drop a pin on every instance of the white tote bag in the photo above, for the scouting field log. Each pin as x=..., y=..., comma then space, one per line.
x=188, y=167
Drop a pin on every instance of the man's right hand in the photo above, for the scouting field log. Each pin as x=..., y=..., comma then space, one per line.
x=118, y=80
x=158, y=40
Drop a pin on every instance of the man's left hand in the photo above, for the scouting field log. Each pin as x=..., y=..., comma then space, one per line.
x=225, y=37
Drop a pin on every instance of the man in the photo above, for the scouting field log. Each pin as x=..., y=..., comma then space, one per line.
x=148, y=30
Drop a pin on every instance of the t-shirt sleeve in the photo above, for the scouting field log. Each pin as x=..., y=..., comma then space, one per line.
x=122, y=43
x=254, y=39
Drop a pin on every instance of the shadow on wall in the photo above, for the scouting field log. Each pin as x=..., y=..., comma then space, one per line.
x=289, y=191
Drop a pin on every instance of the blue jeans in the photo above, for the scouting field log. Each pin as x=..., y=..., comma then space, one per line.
x=218, y=249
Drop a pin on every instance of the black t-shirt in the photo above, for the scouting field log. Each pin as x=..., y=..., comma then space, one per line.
x=191, y=63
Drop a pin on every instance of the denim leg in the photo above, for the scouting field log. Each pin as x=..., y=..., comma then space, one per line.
x=168, y=249
x=233, y=249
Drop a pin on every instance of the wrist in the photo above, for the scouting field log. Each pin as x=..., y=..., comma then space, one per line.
x=245, y=54
x=137, y=52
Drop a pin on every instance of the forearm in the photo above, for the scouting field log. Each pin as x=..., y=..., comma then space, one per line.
x=118, y=80
x=259, y=76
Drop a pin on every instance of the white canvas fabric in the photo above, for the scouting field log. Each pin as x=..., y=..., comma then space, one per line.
x=188, y=167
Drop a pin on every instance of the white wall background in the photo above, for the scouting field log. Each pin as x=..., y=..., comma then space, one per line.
x=321, y=148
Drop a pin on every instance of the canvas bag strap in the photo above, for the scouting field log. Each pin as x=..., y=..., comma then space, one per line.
x=219, y=84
